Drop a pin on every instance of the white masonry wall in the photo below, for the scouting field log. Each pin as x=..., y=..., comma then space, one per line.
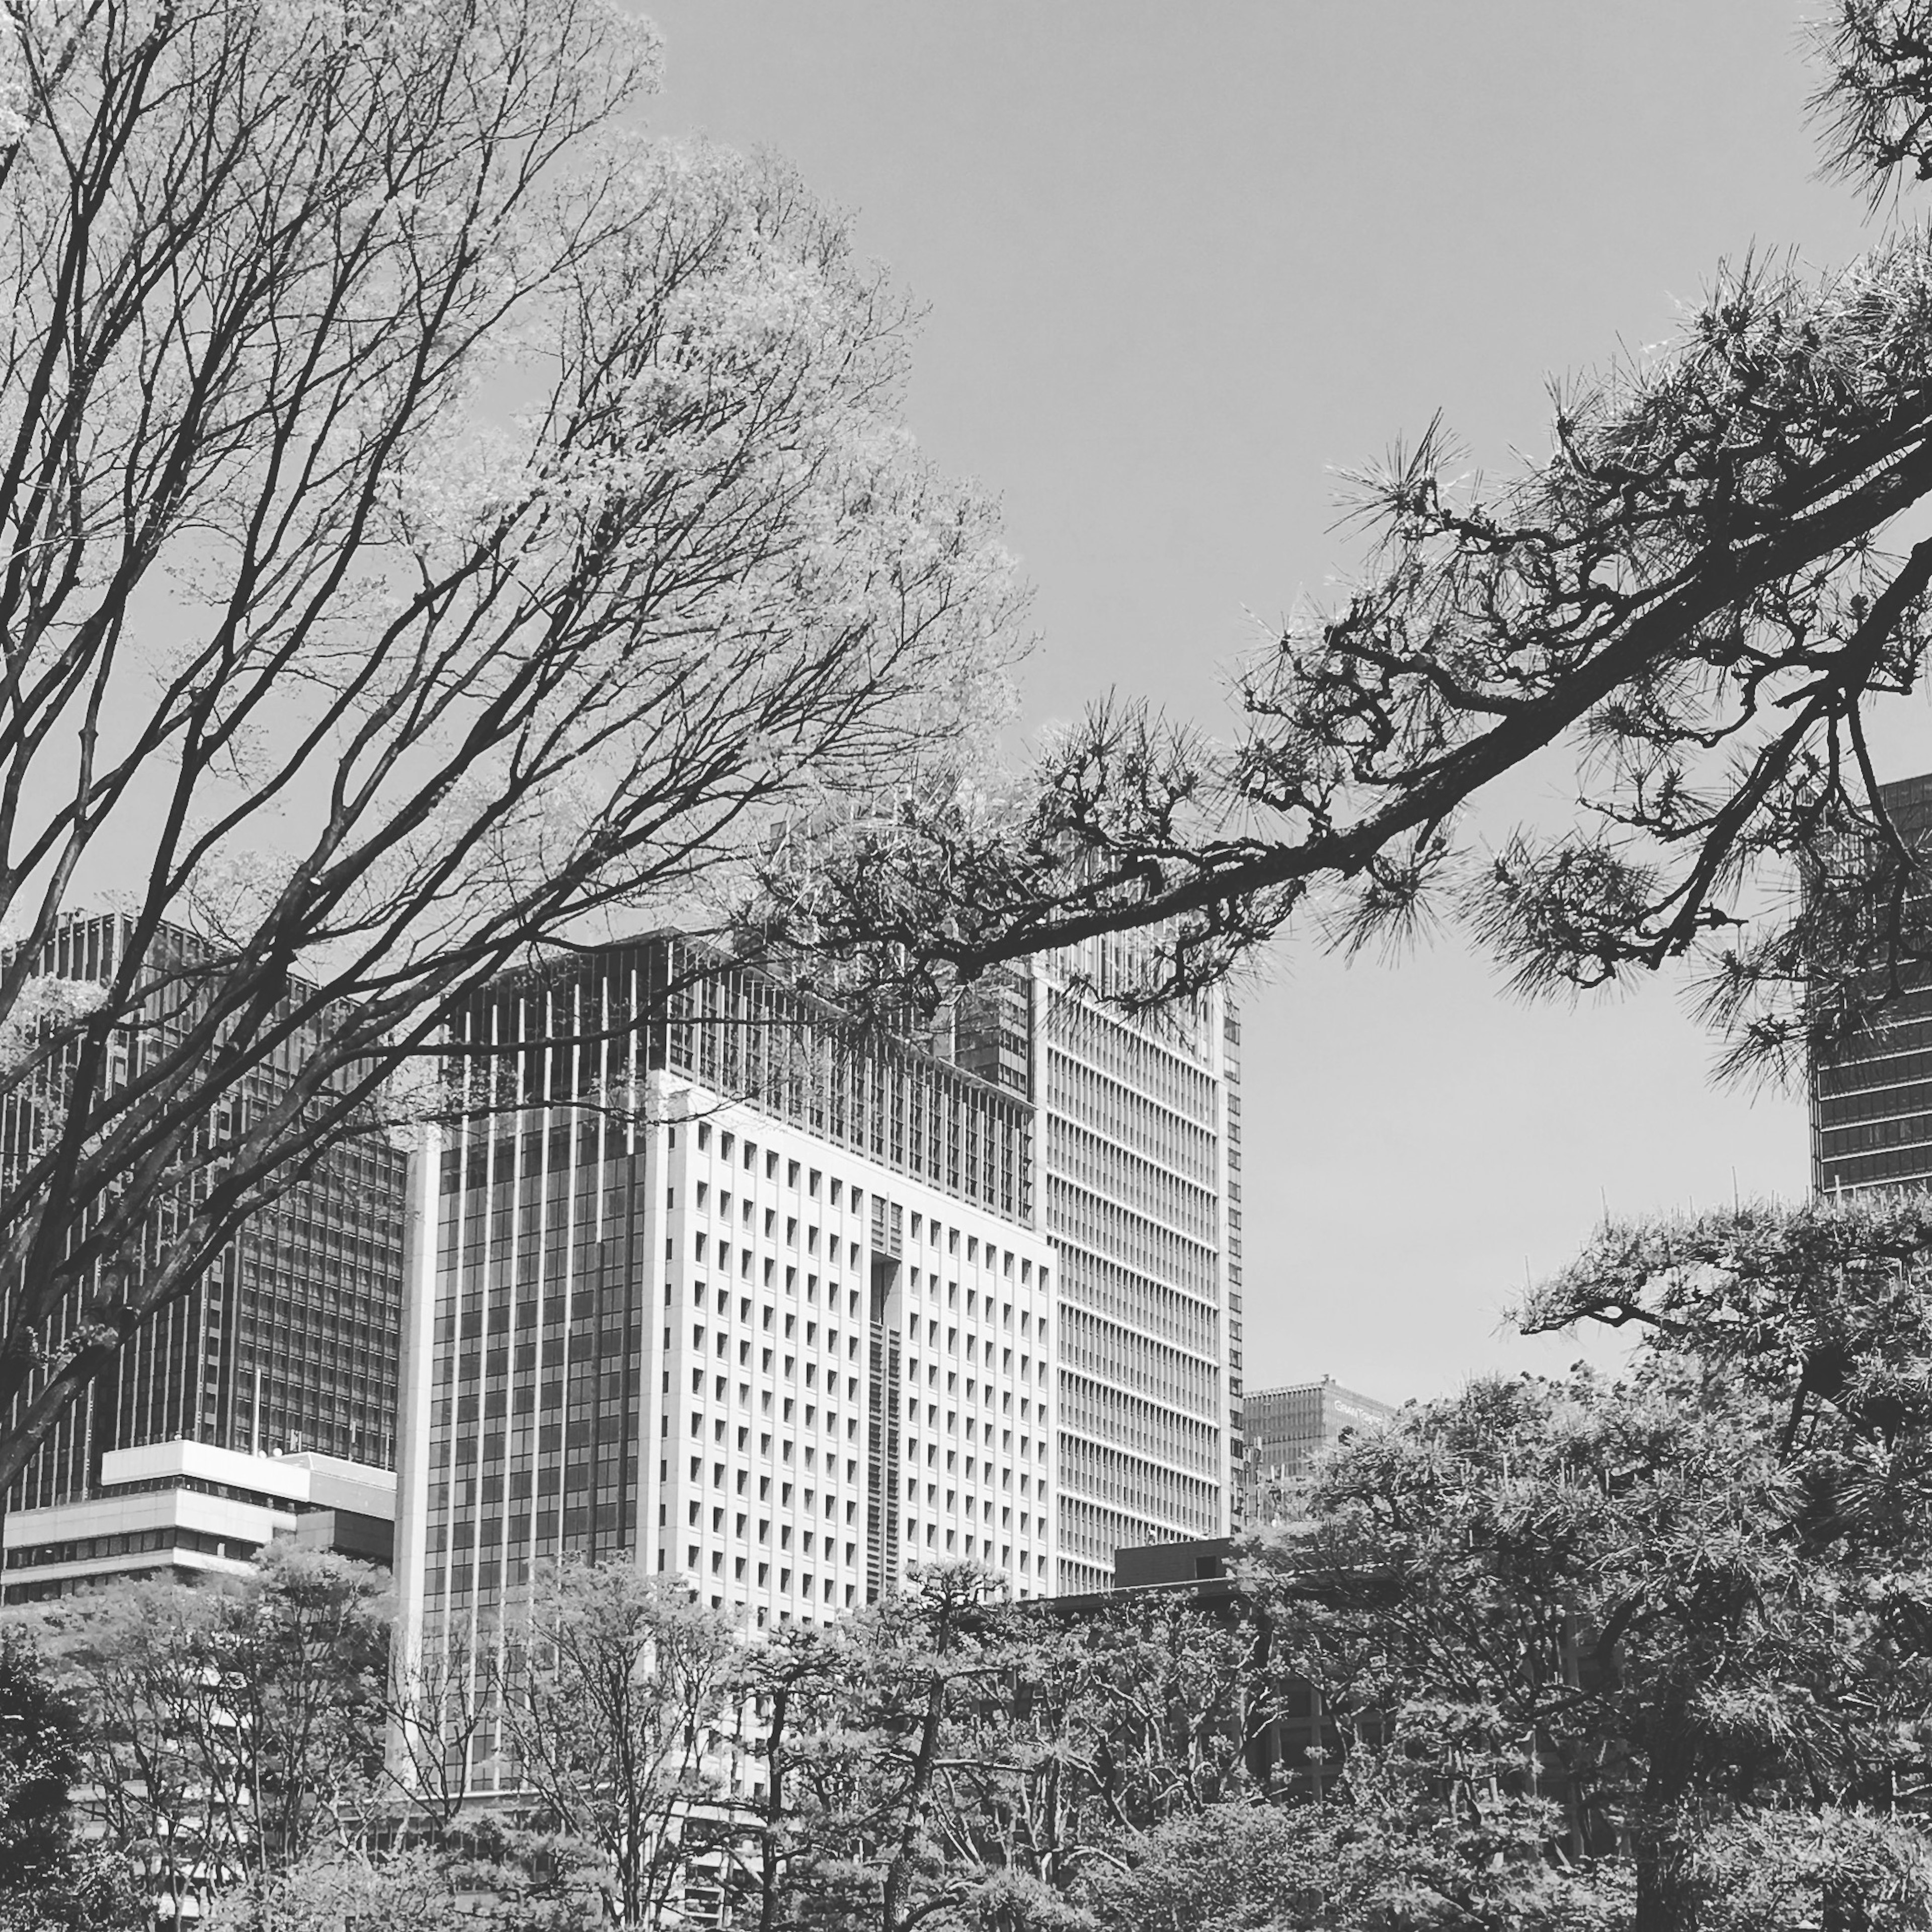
x=766, y=1368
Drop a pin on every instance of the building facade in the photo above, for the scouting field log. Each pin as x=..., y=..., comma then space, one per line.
x=1137, y=1135
x=726, y=1288
x=1288, y=1431
x=1139, y=1122
x=1871, y=1107
x=189, y=1511
x=289, y=1343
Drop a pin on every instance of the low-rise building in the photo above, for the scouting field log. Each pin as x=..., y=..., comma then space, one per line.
x=192, y=1511
x=1288, y=1432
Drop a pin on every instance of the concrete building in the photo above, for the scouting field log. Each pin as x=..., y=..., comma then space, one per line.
x=190, y=1511
x=1137, y=1140
x=291, y=1342
x=1288, y=1431
x=735, y=1290
x=1871, y=1109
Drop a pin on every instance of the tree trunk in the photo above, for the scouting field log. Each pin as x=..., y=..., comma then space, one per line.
x=1666, y=1890
x=891, y=1900
x=1664, y=1841
x=768, y=1862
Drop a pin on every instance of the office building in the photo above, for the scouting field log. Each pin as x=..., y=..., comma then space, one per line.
x=1288, y=1431
x=289, y=1343
x=189, y=1511
x=1137, y=1142
x=735, y=1291
x=1871, y=1106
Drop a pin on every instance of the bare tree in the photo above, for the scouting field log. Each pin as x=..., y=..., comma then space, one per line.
x=433, y=520
x=616, y=1702
x=444, y=1694
x=1695, y=597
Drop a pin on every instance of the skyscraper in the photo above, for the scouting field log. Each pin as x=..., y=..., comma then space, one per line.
x=1137, y=1140
x=1871, y=1107
x=290, y=1342
x=727, y=1287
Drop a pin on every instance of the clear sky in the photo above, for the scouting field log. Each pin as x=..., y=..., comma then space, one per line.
x=1185, y=263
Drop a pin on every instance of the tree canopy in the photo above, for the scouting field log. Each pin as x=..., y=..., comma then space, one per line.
x=1694, y=599
x=434, y=517
x=1652, y=1650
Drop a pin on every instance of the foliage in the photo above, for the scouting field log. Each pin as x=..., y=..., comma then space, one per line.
x=1651, y=1653
x=435, y=517
x=48, y=1880
x=1338, y=1868
x=1818, y=1310
x=39, y=1733
x=407, y=1893
x=1848, y=1871
x=96, y=1889
x=1671, y=1627
x=949, y=1757
x=1695, y=598
x=228, y=1733
x=907, y=1684
x=1160, y=1725
x=614, y=1703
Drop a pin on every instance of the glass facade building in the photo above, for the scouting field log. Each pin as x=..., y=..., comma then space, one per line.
x=1140, y=1166
x=289, y=1343
x=1138, y=1148
x=1871, y=1107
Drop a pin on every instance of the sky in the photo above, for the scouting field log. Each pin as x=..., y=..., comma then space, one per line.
x=1183, y=266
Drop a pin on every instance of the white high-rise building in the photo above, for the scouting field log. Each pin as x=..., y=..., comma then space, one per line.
x=1137, y=1144
x=729, y=1288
